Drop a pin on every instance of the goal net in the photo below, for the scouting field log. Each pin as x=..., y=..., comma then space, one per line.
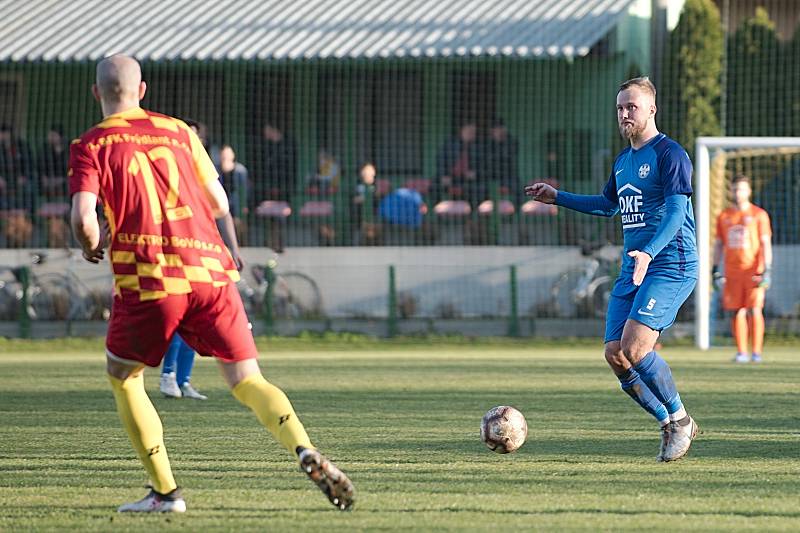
x=773, y=165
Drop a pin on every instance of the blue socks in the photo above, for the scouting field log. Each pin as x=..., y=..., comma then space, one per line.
x=185, y=362
x=636, y=388
x=655, y=372
x=170, y=363
x=179, y=359
x=650, y=384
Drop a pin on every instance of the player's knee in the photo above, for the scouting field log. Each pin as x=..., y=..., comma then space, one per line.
x=122, y=371
x=235, y=372
x=633, y=350
x=616, y=358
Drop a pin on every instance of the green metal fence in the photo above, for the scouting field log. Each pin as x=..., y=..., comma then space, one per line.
x=357, y=151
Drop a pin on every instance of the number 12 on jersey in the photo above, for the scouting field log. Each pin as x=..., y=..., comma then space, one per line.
x=141, y=164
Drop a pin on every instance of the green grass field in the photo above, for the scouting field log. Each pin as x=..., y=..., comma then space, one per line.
x=402, y=420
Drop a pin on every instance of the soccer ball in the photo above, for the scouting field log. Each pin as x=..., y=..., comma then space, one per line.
x=503, y=429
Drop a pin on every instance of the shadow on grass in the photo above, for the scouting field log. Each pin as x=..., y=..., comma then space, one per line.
x=434, y=421
x=249, y=512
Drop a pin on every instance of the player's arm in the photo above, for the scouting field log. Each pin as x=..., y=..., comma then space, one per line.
x=716, y=275
x=675, y=171
x=220, y=208
x=676, y=176
x=208, y=178
x=671, y=222
x=591, y=204
x=766, y=249
x=84, y=186
x=85, y=225
x=766, y=246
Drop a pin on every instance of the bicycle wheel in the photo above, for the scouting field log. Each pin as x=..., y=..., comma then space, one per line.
x=296, y=295
x=252, y=298
x=83, y=304
x=563, y=293
x=10, y=295
x=48, y=301
x=61, y=297
x=599, y=294
x=102, y=301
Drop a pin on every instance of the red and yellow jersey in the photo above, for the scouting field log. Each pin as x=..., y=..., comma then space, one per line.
x=149, y=171
x=741, y=233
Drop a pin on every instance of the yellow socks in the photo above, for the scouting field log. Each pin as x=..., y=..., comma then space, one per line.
x=143, y=425
x=273, y=410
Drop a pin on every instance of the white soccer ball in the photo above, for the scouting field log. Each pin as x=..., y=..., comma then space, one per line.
x=503, y=429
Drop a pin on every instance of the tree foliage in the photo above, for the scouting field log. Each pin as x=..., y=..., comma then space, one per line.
x=691, y=87
x=753, y=82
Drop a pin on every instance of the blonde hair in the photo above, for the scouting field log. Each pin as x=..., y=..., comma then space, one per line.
x=643, y=83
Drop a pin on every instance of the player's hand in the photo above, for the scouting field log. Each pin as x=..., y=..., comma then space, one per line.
x=717, y=278
x=764, y=280
x=542, y=192
x=238, y=261
x=96, y=255
x=642, y=262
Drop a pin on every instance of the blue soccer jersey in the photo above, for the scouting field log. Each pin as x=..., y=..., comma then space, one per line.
x=639, y=183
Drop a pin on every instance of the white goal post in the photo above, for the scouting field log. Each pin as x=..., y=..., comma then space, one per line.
x=703, y=147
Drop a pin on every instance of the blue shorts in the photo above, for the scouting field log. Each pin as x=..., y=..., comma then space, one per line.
x=655, y=303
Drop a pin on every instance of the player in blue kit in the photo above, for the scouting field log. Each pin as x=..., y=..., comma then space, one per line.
x=650, y=186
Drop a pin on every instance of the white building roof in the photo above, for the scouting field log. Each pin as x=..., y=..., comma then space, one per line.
x=74, y=30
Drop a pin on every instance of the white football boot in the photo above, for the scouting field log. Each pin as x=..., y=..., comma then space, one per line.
x=157, y=503
x=665, y=433
x=169, y=385
x=190, y=392
x=679, y=441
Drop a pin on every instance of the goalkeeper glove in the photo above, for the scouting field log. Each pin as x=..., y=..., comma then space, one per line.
x=717, y=278
x=766, y=279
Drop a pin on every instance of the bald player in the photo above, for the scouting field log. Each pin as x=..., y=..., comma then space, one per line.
x=650, y=185
x=175, y=259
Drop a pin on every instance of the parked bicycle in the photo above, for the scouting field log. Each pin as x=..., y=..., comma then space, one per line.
x=584, y=290
x=294, y=294
x=49, y=296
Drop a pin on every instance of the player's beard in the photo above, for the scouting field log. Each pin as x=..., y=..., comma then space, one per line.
x=631, y=131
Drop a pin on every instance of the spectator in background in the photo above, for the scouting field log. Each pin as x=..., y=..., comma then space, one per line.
x=326, y=180
x=52, y=169
x=402, y=207
x=324, y=183
x=233, y=176
x=276, y=168
x=16, y=195
x=365, y=206
x=457, y=167
x=52, y=166
x=500, y=157
x=202, y=133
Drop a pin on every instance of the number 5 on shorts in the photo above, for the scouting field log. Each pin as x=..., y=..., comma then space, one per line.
x=141, y=164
